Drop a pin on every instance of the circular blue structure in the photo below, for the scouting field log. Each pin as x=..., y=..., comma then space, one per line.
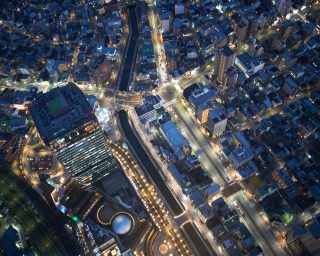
x=121, y=224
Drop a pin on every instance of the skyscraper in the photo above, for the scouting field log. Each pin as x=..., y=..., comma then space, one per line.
x=224, y=59
x=68, y=125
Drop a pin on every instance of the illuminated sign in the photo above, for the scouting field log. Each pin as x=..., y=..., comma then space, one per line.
x=163, y=249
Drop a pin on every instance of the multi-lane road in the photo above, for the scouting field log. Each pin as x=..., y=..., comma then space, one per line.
x=169, y=92
x=219, y=174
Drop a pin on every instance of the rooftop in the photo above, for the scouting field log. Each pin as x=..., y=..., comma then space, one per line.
x=201, y=95
x=59, y=111
x=173, y=135
x=122, y=223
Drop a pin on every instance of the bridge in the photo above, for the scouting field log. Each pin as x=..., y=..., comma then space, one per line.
x=120, y=99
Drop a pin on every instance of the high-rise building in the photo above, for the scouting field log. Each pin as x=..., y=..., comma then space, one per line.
x=68, y=125
x=224, y=59
x=283, y=6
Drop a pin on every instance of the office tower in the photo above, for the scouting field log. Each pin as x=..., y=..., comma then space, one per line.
x=283, y=6
x=68, y=125
x=224, y=59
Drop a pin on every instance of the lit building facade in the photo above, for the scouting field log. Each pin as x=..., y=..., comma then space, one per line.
x=217, y=121
x=203, y=112
x=67, y=125
x=224, y=59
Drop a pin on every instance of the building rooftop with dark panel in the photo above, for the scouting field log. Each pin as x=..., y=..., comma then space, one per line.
x=68, y=125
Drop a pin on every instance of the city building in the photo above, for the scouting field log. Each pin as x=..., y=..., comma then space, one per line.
x=203, y=112
x=181, y=179
x=195, y=196
x=248, y=65
x=205, y=212
x=224, y=59
x=217, y=121
x=201, y=96
x=211, y=191
x=240, y=156
x=165, y=19
x=176, y=141
x=150, y=109
x=67, y=125
x=266, y=58
x=240, y=28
